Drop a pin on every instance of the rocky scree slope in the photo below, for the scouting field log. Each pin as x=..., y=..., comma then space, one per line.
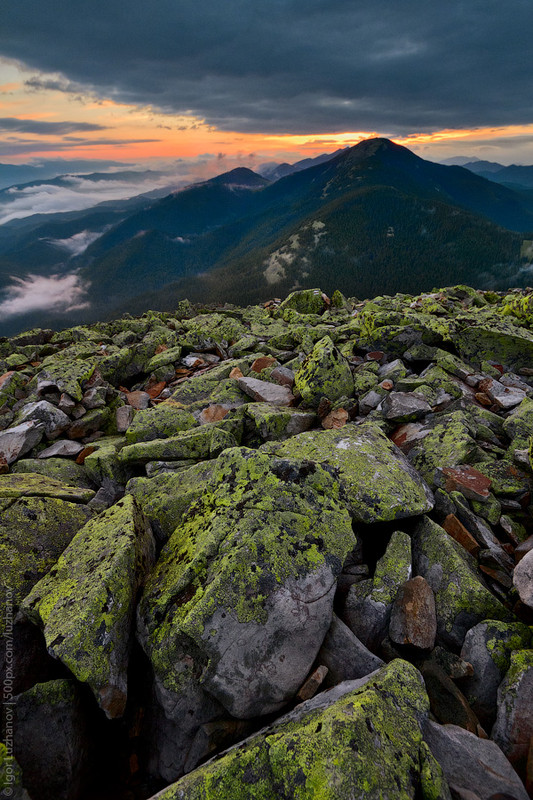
x=277, y=551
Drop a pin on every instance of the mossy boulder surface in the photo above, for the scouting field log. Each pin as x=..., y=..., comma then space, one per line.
x=324, y=373
x=461, y=599
x=32, y=484
x=195, y=444
x=35, y=531
x=161, y=422
x=327, y=748
x=165, y=497
x=60, y=469
x=513, y=728
x=246, y=583
x=377, y=482
x=85, y=605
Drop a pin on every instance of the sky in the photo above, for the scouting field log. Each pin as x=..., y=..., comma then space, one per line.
x=201, y=87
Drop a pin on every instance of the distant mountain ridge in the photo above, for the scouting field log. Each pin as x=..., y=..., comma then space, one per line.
x=374, y=218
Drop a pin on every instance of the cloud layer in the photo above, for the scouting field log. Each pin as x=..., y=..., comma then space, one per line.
x=60, y=293
x=290, y=65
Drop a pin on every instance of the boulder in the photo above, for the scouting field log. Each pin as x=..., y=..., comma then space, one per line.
x=52, y=418
x=471, y=764
x=523, y=579
x=324, y=373
x=86, y=604
x=242, y=595
x=19, y=440
x=488, y=647
x=461, y=598
x=161, y=422
x=206, y=441
x=513, y=728
x=327, y=747
x=377, y=482
x=52, y=740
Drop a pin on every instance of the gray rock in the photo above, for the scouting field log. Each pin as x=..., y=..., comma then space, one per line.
x=513, y=728
x=369, y=603
x=124, y=416
x=405, y=406
x=62, y=447
x=54, y=420
x=488, y=647
x=19, y=440
x=266, y=392
x=345, y=655
x=523, y=579
x=472, y=764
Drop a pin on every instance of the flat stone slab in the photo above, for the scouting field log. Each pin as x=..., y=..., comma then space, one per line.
x=266, y=392
x=31, y=484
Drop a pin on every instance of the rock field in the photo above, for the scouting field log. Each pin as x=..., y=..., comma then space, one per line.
x=283, y=551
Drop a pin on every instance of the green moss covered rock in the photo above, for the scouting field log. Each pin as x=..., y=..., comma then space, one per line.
x=324, y=373
x=86, y=604
x=461, y=598
x=361, y=739
x=242, y=595
x=377, y=482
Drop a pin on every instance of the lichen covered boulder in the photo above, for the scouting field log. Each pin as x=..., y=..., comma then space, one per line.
x=243, y=591
x=461, y=599
x=324, y=373
x=513, y=728
x=327, y=748
x=488, y=647
x=369, y=603
x=86, y=603
x=35, y=531
x=377, y=482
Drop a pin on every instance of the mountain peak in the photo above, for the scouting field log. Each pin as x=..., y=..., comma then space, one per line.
x=240, y=176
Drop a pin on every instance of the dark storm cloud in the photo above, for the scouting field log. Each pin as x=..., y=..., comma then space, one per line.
x=290, y=65
x=39, y=127
x=13, y=147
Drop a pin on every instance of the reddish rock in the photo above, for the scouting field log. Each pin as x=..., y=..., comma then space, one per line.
x=387, y=385
x=160, y=349
x=138, y=399
x=483, y=399
x=312, y=684
x=375, y=355
x=213, y=413
x=84, y=453
x=458, y=532
x=5, y=377
x=467, y=480
x=406, y=436
x=262, y=363
x=413, y=617
x=236, y=373
x=284, y=376
x=155, y=389
x=335, y=419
